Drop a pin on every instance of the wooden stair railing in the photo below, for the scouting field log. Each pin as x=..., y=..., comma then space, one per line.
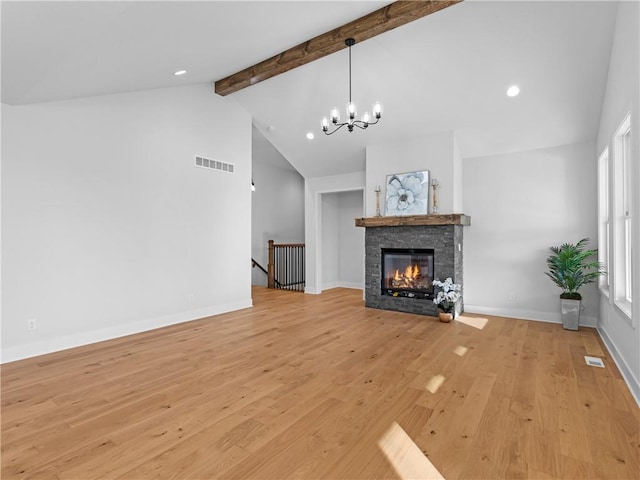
x=286, y=267
x=255, y=264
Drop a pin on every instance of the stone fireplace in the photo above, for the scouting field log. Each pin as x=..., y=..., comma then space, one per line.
x=433, y=244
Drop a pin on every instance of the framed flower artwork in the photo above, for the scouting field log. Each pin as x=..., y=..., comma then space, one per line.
x=407, y=193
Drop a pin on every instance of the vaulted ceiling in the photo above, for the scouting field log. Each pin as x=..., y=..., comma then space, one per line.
x=445, y=72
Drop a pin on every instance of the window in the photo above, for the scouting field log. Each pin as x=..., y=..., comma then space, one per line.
x=622, y=250
x=603, y=219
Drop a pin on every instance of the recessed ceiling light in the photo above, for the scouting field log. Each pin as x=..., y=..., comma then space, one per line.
x=310, y=135
x=513, y=91
x=179, y=72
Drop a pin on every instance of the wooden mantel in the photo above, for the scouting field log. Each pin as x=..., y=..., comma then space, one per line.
x=413, y=220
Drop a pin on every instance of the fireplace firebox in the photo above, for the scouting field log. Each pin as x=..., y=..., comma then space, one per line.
x=407, y=272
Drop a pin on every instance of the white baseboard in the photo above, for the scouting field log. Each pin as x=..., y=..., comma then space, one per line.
x=631, y=381
x=34, y=349
x=585, y=321
x=340, y=284
x=329, y=286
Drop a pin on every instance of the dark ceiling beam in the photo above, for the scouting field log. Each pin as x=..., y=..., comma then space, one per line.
x=382, y=20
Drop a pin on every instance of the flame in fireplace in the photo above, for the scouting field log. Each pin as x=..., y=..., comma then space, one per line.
x=415, y=271
x=412, y=272
x=411, y=277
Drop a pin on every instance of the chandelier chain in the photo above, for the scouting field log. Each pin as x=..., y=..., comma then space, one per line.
x=349, y=73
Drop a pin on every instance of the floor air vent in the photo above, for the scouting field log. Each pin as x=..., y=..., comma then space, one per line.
x=594, y=361
x=214, y=164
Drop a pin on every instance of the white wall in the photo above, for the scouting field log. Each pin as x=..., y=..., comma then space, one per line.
x=621, y=335
x=342, y=242
x=351, y=240
x=521, y=204
x=109, y=228
x=330, y=244
x=277, y=205
x=457, y=179
x=437, y=153
x=314, y=189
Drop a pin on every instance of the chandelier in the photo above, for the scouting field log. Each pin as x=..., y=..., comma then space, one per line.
x=362, y=123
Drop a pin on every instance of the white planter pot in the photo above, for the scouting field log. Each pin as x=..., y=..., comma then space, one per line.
x=570, y=313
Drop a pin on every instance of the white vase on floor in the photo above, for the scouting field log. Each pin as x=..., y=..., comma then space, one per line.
x=570, y=313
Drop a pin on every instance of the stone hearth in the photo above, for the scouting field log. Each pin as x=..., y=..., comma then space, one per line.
x=442, y=233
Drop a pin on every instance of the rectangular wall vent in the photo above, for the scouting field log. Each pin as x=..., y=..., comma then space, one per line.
x=214, y=164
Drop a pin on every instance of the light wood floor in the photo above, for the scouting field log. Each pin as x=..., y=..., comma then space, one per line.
x=305, y=386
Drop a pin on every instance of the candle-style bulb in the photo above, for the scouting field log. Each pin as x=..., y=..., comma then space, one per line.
x=377, y=110
x=351, y=110
x=335, y=115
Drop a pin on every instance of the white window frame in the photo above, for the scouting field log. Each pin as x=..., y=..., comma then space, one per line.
x=604, y=227
x=622, y=201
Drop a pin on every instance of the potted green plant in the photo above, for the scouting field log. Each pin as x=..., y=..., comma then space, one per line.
x=447, y=298
x=570, y=268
